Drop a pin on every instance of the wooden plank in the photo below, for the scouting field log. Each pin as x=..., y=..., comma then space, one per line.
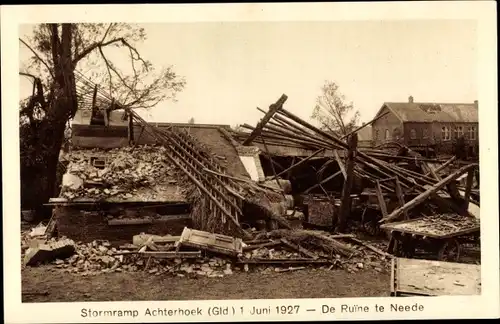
x=468, y=188
x=141, y=239
x=393, y=279
x=371, y=247
x=340, y=163
x=444, y=165
x=51, y=226
x=322, y=182
x=400, y=195
x=272, y=110
x=425, y=195
x=381, y=200
x=299, y=249
x=261, y=245
x=170, y=254
x=432, y=172
x=345, y=204
x=99, y=131
x=212, y=242
x=363, y=126
x=283, y=261
x=300, y=162
x=129, y=221
x=437, y=278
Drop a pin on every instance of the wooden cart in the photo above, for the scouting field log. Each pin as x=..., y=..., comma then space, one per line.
x=412, y=277
x=441, y=235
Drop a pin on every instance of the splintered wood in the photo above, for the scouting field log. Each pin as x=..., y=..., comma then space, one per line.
x=212, y=242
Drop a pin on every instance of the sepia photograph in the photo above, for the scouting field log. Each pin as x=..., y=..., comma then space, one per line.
x=251, y=159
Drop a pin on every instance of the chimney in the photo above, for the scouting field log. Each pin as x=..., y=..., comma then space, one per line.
x=410, y=99
x=476, y=103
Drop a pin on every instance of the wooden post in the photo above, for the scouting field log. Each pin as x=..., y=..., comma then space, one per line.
x=468, y=189
x=131, y=130
x=94, y=98
x=272, y=110
x=381, y=200
x=339, y=162
x=272, y=167
x=94, y=107
x=345, y=205
x=401, y=199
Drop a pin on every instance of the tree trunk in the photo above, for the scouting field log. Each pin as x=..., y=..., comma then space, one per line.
x=39, y=179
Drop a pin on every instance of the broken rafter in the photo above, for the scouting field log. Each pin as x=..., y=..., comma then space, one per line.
x=272, y=110
x=363, y=126
x=428, y=193
x=301, y=162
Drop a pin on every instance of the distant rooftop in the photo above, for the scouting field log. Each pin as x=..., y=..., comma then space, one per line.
x=430, y=111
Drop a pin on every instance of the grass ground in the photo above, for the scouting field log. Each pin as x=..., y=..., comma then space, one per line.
x=307, y=283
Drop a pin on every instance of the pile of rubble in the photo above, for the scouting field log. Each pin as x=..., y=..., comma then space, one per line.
x=117, y=172
x=174, y=255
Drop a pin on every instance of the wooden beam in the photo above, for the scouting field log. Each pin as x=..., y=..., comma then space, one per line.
x=400, y=195
x=381, y=200
x=272, y=110
x=339, y=162
x=444, y=165
x=428, y=193
x=322, y=182
x=300, y=162
x=130, y=132
x=94, y=99
x=363, y=126
x=468, y=189
x=345, y=204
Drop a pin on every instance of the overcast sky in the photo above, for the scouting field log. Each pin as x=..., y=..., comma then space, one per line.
x=232, y=68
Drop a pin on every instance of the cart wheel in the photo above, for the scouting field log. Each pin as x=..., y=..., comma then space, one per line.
x=449, y=251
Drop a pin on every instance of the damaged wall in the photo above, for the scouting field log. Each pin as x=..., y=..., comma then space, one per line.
x=88, y=225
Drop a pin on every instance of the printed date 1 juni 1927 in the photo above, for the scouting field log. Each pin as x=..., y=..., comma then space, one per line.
x=280, y=310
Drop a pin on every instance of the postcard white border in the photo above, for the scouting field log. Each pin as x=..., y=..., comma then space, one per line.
x=484, y=306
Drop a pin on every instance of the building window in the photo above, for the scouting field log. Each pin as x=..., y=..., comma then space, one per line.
x=387, y=135
x=445, y=133
x=472, y=133
x=459, y=132
x=425, y=133
x=413, y=134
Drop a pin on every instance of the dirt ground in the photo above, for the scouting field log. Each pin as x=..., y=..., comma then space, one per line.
x=307, y=283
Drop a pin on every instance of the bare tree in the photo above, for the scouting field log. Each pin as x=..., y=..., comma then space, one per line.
x=333, y=113
x=60, y=54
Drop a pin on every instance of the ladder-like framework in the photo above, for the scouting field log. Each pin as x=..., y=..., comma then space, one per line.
x=222, y=195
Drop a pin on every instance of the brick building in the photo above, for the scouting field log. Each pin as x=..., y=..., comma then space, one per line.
x=428, y=127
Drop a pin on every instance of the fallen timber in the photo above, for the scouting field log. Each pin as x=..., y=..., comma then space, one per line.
x=283, y=128
x=423, y=196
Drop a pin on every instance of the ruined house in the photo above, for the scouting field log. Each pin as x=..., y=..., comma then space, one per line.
x=119, y=182
x=428, y=127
